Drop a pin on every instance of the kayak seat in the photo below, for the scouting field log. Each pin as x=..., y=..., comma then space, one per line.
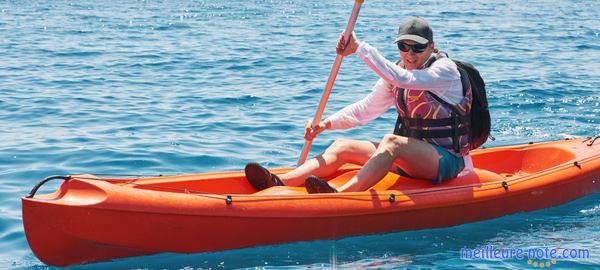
x=393, y=181
x=282, y=190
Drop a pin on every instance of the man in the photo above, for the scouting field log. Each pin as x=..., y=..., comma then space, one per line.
x=431, y=138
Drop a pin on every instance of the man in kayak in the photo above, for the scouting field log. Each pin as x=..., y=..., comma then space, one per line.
x=431, y=139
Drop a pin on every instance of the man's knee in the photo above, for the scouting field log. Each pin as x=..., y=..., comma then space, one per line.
x=340, y=146
x=351, y=151
x=393, y=143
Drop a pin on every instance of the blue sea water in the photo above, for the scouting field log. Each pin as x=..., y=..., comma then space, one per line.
x=173, y=87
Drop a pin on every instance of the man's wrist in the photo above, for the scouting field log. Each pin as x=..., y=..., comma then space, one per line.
x=359, y=49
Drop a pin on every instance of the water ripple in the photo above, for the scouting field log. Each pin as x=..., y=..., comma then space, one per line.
x=154, y=87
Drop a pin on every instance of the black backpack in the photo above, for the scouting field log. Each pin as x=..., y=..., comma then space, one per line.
x=480, y=113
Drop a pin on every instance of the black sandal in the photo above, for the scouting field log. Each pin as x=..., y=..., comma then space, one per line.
x=315, y=184
x=260, y=178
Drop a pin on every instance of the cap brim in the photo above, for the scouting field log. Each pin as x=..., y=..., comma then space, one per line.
x=414, y=38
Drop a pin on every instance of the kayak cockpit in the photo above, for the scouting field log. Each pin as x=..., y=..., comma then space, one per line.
x=491, y=165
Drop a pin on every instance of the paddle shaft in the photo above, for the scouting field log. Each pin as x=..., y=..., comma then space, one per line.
x=331, y=80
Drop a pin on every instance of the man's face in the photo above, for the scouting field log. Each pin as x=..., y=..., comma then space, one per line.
x=411, y=59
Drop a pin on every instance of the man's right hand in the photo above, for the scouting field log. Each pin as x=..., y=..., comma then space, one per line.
x=345, y=48
x=312, y=132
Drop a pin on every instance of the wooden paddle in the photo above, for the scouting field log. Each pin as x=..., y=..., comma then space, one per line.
x=331, y=80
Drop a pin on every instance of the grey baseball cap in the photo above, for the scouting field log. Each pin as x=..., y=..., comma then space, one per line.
x=415, y=29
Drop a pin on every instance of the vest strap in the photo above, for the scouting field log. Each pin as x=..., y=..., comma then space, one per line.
x=442, y=122
x=442, y=133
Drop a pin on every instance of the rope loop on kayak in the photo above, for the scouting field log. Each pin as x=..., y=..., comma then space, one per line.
x=47, y=179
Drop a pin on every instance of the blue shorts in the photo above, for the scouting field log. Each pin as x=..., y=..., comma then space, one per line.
x=449, y=165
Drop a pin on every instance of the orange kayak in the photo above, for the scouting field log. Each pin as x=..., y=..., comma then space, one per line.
x=91, y=219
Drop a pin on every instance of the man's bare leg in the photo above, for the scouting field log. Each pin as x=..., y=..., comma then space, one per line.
x=417, y=158
x=342, y=151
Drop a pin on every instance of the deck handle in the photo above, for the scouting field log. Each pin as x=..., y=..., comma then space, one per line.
x=593, y=140
x=47, y=179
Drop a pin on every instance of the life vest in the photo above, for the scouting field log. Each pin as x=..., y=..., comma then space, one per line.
x=423, y=115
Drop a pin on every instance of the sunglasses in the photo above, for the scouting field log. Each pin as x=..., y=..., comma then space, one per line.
x=416, y=48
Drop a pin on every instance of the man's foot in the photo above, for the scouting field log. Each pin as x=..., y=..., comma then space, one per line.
x=260, y=178
x=315, y=184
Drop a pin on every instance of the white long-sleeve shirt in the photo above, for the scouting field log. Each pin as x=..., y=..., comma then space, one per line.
x=441, y=78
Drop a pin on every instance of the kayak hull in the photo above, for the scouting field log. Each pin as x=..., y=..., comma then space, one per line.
x=88, y=219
